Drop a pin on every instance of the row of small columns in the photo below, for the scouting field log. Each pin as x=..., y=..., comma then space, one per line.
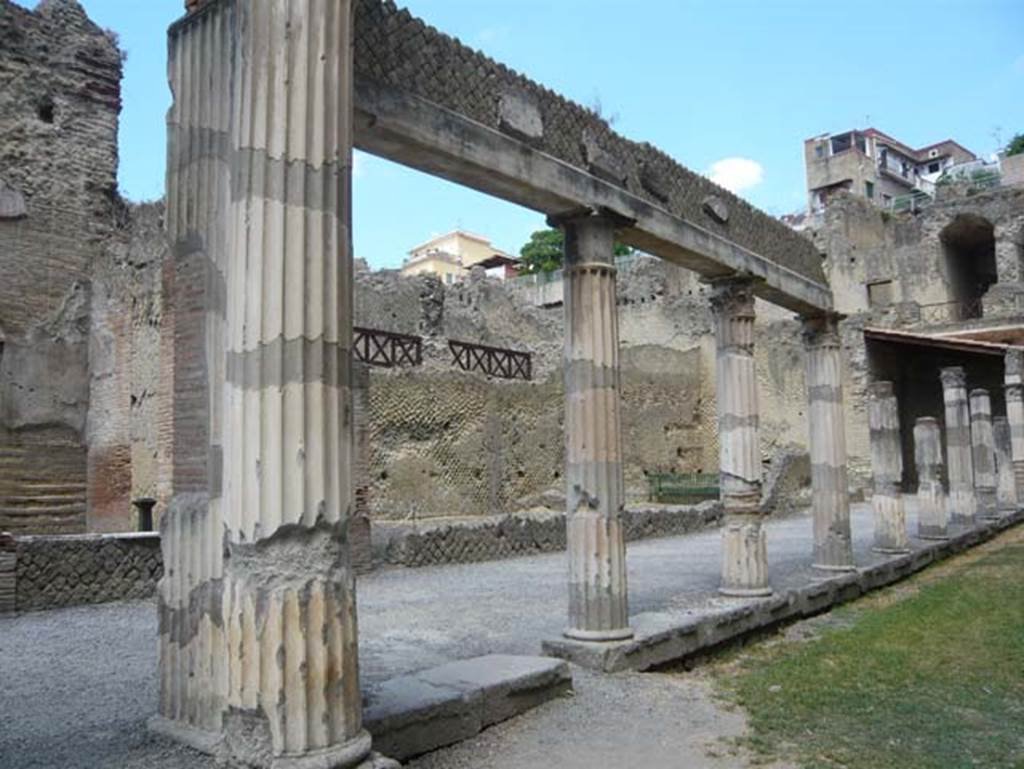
x=982, y=464
x=598, y=594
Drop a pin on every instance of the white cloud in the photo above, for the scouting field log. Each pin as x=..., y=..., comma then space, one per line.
x=736, y=174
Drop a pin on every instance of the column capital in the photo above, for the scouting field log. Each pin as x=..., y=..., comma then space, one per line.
x=953, y=376
x=732, y=296
x=821, y=329
x=586, y=214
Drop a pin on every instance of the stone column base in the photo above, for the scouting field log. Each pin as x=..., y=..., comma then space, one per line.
x=618, y=634
x=354, y=754
x=834, y=567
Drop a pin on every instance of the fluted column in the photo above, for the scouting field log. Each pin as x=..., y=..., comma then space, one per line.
x=887, y=469
x=983, y=453
x=598, y=598
x=830, y=498
x=744, y=550
x=289, y=604
x=192, y=652
x=932, y=516
x=1006, y=484
x=1014, y=392
x=959, y=466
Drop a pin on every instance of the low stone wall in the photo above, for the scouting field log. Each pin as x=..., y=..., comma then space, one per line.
x=483, y=539
x=49, y=572
x=54, y=571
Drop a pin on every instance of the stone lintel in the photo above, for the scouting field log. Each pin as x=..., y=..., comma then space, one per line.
x=410, y=130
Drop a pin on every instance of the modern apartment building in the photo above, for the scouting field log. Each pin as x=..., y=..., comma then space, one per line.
x=875, y=166
x=452, y=255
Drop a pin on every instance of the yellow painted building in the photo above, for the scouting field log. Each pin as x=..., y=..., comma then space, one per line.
x=452, y=255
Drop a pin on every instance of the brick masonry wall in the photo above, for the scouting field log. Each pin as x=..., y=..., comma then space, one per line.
x=124, y=422
x=52, y=572
x=59, y=103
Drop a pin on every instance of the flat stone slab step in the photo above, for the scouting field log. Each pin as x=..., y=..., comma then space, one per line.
x=414, y=714
x=665, y=637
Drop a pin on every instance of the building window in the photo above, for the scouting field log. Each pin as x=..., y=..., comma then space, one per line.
x=819, y=151
x=880, y=293
x=869, y=190
x=934, y=167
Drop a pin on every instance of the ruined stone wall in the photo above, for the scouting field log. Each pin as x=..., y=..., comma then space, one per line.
x=863, y=245
x=59, y=103
x=443, y=442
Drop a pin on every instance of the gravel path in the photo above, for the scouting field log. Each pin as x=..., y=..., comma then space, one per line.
x=76, y=685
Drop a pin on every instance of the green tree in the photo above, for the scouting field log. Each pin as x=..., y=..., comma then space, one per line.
x=543, y=251
x=1016, y=145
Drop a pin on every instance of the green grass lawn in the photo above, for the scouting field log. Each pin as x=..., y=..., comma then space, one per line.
x=926, y=674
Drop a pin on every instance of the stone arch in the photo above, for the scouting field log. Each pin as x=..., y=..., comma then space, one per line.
x=969, y=252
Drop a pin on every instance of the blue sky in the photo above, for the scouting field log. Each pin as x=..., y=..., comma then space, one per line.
x=705, y=80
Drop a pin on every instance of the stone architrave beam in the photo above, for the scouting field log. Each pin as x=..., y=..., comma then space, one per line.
x=959, y=465
x=415, y=132
x=830, y=498
x=932, y=515
x=983, y=453
x=598, y=596
x=887, y=469
x=744, y=548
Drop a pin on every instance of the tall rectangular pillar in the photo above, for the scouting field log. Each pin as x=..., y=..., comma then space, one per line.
x=932, y=515
x=886, y=469
x=598, y=595
x=830, y=497
x=983, y=453
x=959, y=465
x=287, y=678
x=744, y=548
x=1014, y=380
x=1006, y=484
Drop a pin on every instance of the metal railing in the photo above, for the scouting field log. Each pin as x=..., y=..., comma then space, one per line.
x=682, y=488
x=951, y=312
x=386, y=348
x=493, y=361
